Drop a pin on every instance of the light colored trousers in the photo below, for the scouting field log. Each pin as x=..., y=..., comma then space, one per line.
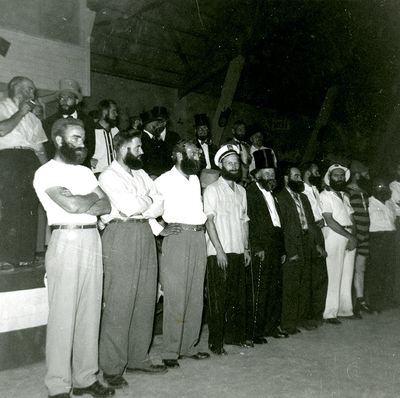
x=182, y=272
x=340, y=266
x=74, y=276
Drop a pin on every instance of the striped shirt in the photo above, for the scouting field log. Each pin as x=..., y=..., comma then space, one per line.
x=359, y=203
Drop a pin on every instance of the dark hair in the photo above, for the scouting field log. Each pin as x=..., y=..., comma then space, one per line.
x=238, y=123
x=105, y=104
x=60, y=126
x=125, y=136
x=180, y=147
x=13, y=83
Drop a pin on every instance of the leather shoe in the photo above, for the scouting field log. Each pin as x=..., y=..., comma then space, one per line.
x=198, y=355
x=333, y=321
x=171, y=363
x=115, y=381
x=291, y=330
x=152, y=369
x=95, y=390
x=62, y=395
x=260, y=340
x=278, y=333
x=218, y=351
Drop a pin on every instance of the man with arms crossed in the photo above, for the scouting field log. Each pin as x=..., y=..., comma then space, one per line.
x=72, y=199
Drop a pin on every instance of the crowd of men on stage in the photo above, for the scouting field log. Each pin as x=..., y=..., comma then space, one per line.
x=274, y=248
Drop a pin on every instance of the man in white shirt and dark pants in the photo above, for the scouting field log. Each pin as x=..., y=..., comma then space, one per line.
x=381, y=270
x=340, y=244
x=130, y=263
x=72, y=199
x=225, y=205
x=183, y=257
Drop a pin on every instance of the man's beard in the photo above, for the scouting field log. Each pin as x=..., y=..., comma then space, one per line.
x=231, y=175
x=296, y=186
x=383, y=196
x=337, y=185
x=268, y=185
x=132, y=161
x=314, y=180
x=72, y=155
x=66, y=110
x=111, y=122
x=190, y=166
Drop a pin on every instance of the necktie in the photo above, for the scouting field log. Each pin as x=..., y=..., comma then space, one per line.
x=300, y=211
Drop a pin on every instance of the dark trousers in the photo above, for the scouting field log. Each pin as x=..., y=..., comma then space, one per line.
x=19, y=212
x=296, y=287
x=130, y=289
x=264, y=293
x=226, y=301
x=380, y=273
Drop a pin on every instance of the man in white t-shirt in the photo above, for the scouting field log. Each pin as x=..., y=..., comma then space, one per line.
x=72, y=199
x=340, y=244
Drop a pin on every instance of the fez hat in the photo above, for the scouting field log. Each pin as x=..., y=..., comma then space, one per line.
x=224, y=151
x=201, y=119
x=147, y=117
x=72, y=86
x=334, y=167
x=263, y=159
x=160, y=113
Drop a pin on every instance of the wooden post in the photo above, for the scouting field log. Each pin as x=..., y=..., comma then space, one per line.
x=227, y=93
x=321, y=121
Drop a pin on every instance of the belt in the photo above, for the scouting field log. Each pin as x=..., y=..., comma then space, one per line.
x=120, y=220
x=72, y=226
x=190, y=227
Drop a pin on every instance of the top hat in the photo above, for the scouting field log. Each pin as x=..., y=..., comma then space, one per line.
x=71, y=86
x=160, y=113
x=263, y=159
x=201, y=119
x=147, y=117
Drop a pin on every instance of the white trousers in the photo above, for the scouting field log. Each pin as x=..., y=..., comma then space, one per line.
x=340, y=266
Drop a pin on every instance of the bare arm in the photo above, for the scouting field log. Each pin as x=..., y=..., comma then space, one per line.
x=247, y=257
x=213, y=234
x=335, y=226
x=41, y=153
x=8, y=125
x=75, y=204
x=102, y=206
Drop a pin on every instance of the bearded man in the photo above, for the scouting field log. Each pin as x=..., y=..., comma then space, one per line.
x=228, y=253
x=299, y=231
x=72, y=199
x=268, y=251
x=183, y=257
x=106, y=129
x=340, y=244
x=69, y=96
x=130, y=263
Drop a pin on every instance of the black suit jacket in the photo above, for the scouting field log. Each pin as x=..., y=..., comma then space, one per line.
x=292, y=230
x=212, y=150
x=262, y=233
x=157, y=156
x=89, y=134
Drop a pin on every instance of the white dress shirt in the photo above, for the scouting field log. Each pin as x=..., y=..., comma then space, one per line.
x=161, y=136
x=395, y=188
x=204, y=147
x=104, y=149
x=229, y=208
x=382, y=216
x=312, y=194
x=182, y=198
x=132, y=195
x=271, y=206
x=79, y=180
x=340, y=208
